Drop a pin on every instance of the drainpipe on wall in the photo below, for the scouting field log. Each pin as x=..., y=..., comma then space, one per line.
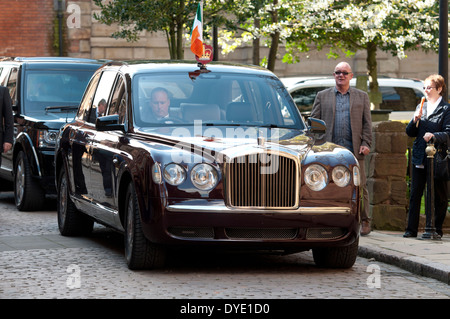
x=58, y=5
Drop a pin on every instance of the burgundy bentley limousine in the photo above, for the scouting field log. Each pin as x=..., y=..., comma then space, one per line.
x=177, y=154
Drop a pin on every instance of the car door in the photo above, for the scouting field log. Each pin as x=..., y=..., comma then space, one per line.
x=105, y=156
x=80, y=137
x=100, y=186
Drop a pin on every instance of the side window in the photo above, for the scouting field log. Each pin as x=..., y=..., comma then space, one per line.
x=102, y=94
x=304, y=98
x=12, y=85
x=118, y=100
x=4, y=74
x=86, y=102
x=400, y=98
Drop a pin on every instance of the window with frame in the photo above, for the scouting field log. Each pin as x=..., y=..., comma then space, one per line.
x=12, y=85
x=103, y=92
x=86, y=102
x=118, y=100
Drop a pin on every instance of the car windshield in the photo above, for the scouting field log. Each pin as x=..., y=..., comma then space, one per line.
x=54, y=90
x=214, y=99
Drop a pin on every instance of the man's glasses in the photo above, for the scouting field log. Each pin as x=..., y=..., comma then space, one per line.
x=340, y=72
x=428, y=87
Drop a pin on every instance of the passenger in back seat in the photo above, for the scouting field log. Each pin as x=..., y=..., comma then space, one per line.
x=159, y=103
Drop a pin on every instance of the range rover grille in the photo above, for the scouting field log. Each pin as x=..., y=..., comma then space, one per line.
x=263, y=180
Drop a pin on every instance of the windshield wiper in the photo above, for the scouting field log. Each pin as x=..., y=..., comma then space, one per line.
x=62, y=108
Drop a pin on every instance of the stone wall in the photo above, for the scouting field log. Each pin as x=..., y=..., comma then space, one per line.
x=386, y=168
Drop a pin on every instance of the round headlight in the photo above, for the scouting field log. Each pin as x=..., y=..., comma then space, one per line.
x=341, y=176
x=174, y=174
x=204, y=176
x=316, y=177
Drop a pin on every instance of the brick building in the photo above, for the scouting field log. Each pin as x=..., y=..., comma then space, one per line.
x=26, y=28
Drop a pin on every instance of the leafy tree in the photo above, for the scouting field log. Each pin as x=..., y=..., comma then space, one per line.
x=346, y=26
x=134, y=16
x=256, y=21
x=393, y=26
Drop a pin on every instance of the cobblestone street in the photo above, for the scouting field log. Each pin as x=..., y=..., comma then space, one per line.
x=36, y=262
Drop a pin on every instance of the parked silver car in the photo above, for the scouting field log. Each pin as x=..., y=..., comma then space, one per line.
x=401, y=96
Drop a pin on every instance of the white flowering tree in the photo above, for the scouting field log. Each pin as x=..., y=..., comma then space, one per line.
x=258, y=21
x=394, y=26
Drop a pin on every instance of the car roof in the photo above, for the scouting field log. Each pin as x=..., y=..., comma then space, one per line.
x=38, y=62
x=290, y=81
x=327, y=81
x=144, y=66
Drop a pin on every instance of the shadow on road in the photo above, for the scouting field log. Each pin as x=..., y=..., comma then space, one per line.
x=182, y=259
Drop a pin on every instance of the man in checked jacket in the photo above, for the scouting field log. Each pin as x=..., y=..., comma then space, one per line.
x=346, y=112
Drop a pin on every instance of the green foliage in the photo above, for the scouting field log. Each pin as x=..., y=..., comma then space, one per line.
x=134, y=16
x=343, y=26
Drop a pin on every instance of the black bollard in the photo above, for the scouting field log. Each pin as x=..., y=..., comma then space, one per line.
x=430, y=229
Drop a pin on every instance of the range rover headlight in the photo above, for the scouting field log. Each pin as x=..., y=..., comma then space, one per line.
x=47, y=138
x=316, y=177
x=174, y=174
x=341, y=176
x=204, y=176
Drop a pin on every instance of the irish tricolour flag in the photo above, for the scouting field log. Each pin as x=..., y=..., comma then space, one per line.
x=197, y=33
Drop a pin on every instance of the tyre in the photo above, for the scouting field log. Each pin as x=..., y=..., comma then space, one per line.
x=336, y=257
x=140, y=253
x=71, y=222
x=28, y=194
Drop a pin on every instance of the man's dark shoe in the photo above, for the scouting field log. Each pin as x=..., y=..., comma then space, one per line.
x=408, y=234
x=365, y=228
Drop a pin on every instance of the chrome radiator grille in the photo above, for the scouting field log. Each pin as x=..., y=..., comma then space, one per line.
x=263, y=180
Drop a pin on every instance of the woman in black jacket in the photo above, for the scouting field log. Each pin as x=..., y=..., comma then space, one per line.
x=432, y=122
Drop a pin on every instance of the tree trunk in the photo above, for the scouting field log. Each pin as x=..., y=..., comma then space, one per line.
x=275, y=37
x=180, y=48
x=215, y=44
x=171, y=40
x=374, y=93
x=179, y=32
x=256, y=44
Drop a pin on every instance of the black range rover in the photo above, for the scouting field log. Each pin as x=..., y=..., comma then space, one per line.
x=45, y=94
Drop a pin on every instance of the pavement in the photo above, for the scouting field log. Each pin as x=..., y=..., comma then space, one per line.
x=425, y=257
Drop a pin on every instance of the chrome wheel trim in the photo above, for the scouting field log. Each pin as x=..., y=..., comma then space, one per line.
x=20, y=181
x=62, y=202
x=129, y=235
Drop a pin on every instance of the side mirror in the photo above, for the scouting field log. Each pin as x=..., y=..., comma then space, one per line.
x=316, y=126
x=109, y=123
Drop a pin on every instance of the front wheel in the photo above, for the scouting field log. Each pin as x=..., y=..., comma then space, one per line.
x=140, y=253
x=336, y=257
x=28, y=194
x=71, y=222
